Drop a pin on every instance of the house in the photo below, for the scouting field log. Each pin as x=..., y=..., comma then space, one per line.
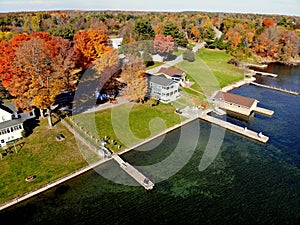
x=11, y=122
x=164, y=89
x=235, y=103
x=172, y=73
x=116, y=42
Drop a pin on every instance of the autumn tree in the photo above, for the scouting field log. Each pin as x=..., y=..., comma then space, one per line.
x=92, y=43
x=133, y=75
x=288, y=46
x=36, y=69
x=268, y=22
x=107, y=68
x=163, y=45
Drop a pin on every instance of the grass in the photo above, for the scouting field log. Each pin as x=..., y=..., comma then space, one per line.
x=210, y=71
x=128, y=124
x=42, y=156
x=178, y=53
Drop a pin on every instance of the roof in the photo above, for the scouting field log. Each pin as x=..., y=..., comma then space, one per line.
x=11, y=123
x=160, y=80
x=235, y=99
x=171, y=71
x=8, y=107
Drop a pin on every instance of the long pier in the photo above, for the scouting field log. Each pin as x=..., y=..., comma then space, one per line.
x=237, y=129
x=134, y=173
x=275, y=88
x=263, y=73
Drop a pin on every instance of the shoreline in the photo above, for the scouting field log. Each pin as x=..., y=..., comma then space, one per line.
x=83, y=170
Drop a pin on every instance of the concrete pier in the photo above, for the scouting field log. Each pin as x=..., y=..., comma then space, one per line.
x=264, y=73
x=264, y=111
x=237, y=129
x=275, y=88
x=134, y=173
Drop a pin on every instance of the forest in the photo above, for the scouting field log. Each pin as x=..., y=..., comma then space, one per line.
x=43, y=53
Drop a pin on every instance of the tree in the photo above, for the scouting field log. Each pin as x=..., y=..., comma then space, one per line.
x=188, y=55
x=107, y=67
x=288, y=46
x=36, y=69
x=66, y=32
x=144, y=30
x=195, y=33
x=163, y=45
x=171, y=29
x=92, y=43
x=133, y=75
x=268, y=22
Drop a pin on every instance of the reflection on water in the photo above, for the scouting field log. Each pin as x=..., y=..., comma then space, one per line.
x=248, y=183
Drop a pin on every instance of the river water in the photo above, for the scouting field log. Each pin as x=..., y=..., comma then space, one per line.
x=248, y=182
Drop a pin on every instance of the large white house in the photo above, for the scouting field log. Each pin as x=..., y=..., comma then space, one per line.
x=166, y=90
x=11, y=123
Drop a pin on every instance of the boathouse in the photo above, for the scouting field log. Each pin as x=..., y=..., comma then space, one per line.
x=235, y=103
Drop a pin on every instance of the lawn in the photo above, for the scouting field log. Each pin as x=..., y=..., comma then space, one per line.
x=41, y=156
x=211, y=71
x=128, y=124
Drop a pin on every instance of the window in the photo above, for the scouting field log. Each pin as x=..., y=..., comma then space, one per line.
x=2, y=141
x=31, y=113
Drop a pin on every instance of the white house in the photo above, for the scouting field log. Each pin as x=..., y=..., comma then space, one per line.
x=172, y=73
x=164, y=89
x=116, y=42
x=11, y=122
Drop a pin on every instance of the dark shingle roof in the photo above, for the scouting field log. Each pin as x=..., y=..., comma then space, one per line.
x=10, y=123
x=160, y=80
x=235, y=99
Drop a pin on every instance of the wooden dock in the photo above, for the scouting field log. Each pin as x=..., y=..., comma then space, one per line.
x=276, y=88
x=237, y=129
x=264, y=111
x=263, y=73
x=134, y=173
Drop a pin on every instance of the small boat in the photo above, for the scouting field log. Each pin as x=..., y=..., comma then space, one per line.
x=30, y=178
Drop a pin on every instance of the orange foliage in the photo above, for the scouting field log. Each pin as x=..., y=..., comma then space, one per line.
x=268, y=22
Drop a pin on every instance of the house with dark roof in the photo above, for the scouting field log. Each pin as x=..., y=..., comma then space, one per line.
x=161, y=88
x=11, y=122
x=173, y=74
x=235, y=103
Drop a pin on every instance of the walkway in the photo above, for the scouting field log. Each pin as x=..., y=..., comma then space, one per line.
x=276, y=88
x=232, y=127
x=134, y=173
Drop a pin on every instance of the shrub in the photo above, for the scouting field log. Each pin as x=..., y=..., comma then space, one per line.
x=188, y=55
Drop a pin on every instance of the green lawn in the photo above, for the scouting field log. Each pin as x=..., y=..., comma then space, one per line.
x=211, y=71
x=42, y=156
x=128, y=124
x=178, y=53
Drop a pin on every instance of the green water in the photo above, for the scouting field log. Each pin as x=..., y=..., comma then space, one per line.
x=248, y=182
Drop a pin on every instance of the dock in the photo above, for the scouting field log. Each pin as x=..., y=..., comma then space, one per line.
x=264, y=111
x=237, y=129
x=260, y=66
x=275, y=88
x=134, y=173
x=263, y=73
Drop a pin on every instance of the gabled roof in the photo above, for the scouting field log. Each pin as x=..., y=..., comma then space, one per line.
x=235, y=99
x=11, y=123
x=7, y=108
x=170, y=71
x=160, y=80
